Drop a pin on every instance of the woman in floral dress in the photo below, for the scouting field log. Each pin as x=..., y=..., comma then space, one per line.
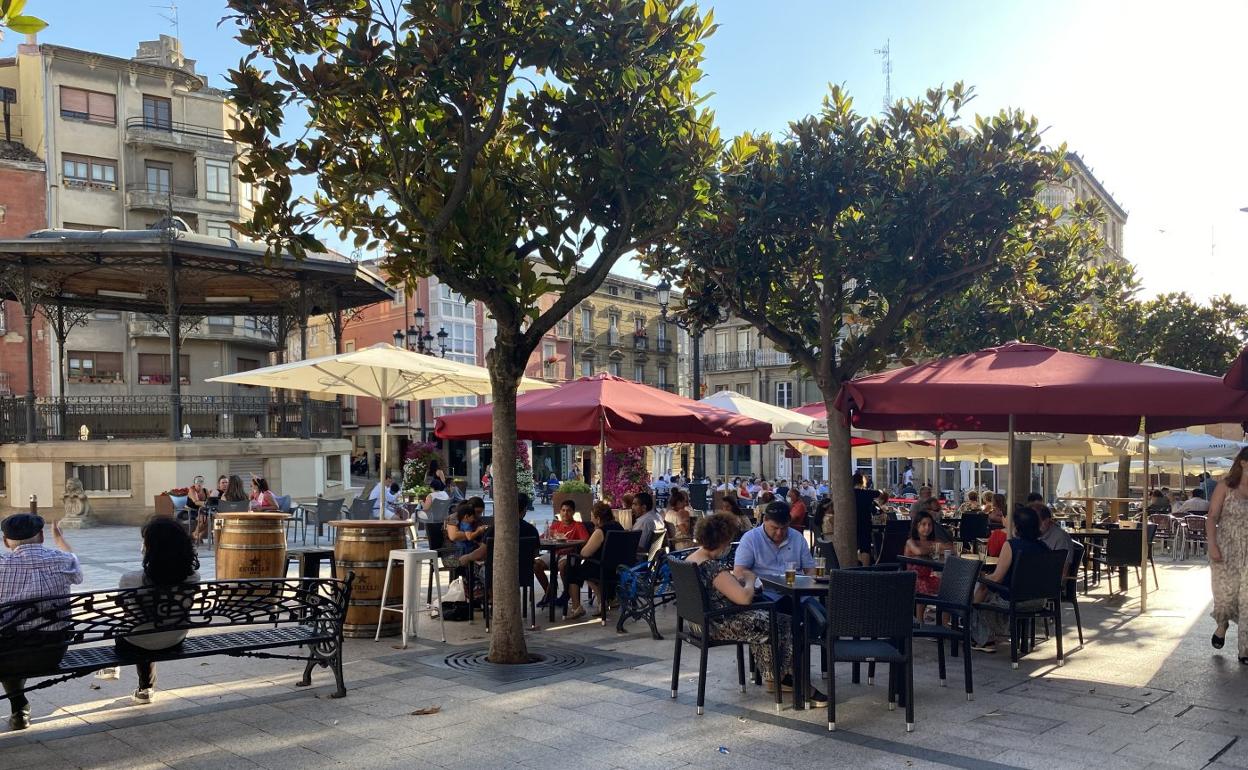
x=1227, y=531
x=715, y=535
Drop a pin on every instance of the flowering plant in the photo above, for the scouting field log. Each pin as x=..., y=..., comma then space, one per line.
x=419, y=456
x=624, y=472
x=179, y=492
x=524, y=469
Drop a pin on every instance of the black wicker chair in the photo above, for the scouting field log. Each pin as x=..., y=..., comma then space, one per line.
x=528, y=553
x=1122, y=549
x=892, y=546
x=954, y=601
x=974, y=526
x=693, y=606
x=871, y=619
x=1035, y=577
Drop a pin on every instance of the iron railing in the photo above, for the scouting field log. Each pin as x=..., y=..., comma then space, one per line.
x=663, y=345
x=744, y=359
x=148, y=417
x=639, y=342
x=174, y=127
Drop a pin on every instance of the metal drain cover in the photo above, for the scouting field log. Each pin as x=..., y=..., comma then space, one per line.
x=546, y=661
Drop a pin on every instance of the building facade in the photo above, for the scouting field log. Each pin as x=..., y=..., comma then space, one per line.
x=1083, y=185
x=23, y=186
x=128, y=143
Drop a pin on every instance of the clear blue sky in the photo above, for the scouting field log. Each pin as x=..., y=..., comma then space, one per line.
x=1150, y=93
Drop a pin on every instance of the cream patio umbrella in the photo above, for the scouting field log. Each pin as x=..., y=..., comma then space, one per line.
x=382, y=371
x=786, y=424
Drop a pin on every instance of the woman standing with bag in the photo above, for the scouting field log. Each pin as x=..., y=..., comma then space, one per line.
x=1227, y=531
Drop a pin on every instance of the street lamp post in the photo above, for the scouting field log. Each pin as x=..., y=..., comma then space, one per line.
x=664, y=291
x=418, y=339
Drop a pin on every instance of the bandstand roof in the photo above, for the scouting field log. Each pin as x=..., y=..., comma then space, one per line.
x=129, y=270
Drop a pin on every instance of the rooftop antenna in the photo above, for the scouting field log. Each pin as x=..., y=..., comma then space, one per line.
x=886, y=66
x=171, y=17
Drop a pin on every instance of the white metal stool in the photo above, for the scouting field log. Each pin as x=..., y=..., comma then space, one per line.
x=412, y=558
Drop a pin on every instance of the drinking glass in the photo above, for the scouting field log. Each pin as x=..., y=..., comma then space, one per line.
x=790, y=572
x=820, y=566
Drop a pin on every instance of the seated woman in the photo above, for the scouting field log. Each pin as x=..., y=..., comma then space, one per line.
x=587, y=570
x=728, y=504
x=926, y=542
x=987, y=626
x=168, y=560
x=438, y=487
x=565, y=527
x=679, y=520
x=262, y=498
x=196, y=499
x=715, y=535
x=995, y=508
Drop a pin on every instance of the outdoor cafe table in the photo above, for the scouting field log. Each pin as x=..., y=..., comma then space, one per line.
x=552, y=564
x=1089, y=509
x=803, y=586
x=1090, y=533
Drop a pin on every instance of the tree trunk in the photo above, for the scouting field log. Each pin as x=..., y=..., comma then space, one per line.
x=844, y=508
x=506, y=626
x=1124, y=486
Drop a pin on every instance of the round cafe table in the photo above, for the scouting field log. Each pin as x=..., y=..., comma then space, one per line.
x=364, y=547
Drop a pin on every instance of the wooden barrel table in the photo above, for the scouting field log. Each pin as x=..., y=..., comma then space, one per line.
x=363, y=547
x=251, y=545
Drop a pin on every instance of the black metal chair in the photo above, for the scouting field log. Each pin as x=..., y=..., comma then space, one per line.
x=1036, y=577
x=1121, y=550
x=974, y=526
x=619, y=549
x=235, y=506
x=1070, y=588
x=528, y=552
x=693, y=606
x=362, y=509
x=870, y=619
x=326, y=510
x=954, y=601
x=892, y=546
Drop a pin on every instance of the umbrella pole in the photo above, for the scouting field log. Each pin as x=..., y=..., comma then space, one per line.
x=1182, y=475
x=1009, y=491
x=937, y=489
x=1144, y=527
x=385, y=455
x=602, y=457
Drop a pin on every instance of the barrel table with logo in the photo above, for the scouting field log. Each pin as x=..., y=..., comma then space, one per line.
x=363, y=547
x=251, y=545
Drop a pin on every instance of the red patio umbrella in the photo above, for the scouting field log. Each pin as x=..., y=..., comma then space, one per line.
x=1237, y=377
x=1026, y=387
x=619, y=412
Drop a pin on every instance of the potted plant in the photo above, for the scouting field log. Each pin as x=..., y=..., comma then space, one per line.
x=579, y=493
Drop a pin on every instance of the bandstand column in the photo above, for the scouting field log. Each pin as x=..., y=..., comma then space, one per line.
x=175, y=353
x=305, y=421
x=28, y=315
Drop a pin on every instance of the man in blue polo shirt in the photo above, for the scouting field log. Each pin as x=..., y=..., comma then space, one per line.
x=767, y=549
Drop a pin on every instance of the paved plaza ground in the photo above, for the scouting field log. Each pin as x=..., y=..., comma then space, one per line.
x=1144, y=691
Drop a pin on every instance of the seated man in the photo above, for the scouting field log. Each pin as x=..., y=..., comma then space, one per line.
x=770, y=548
x=1053, y=535
x=646, y=520
x=32, y=571
x=1196, y=505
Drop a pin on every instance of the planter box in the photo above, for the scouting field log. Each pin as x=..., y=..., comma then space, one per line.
x=584, y=501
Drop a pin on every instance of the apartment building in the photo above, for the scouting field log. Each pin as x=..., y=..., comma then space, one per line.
x=128, y=143
x=23, y=185
x=1083, y=185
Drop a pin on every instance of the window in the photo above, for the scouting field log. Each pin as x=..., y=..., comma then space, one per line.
x=217, y=180
x=93, y=366
x=159, y=176
x=743, y=388
x=662, y=331
x=565, y=327
x=587, y=323
x=154, y=369
x=461, y=342
x=226, y=321
x=721, y=342
x=613, y=328
x=613, y=367
x=246, y=365
x=80, y=170
x=662, y=375
x=638, y=294
x=549, y=358
x=614, y=291
x=251, y=323
x=101, y=478
x=453, y=305
x=639, y=372
x=157, y=112
x=587, y=368
x=106, y=315
x=93, y=106
x=743, y=339
x=639, y=325
x=333, y=468
x=218, y=229
x=784, y=394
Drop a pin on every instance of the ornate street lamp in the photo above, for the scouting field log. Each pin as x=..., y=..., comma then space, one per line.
x=664, y=292
x=418, y=340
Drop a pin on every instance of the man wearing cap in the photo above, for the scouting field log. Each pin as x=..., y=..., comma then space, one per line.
x=32, y=571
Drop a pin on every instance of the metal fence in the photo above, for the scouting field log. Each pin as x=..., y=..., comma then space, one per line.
x=148, y=417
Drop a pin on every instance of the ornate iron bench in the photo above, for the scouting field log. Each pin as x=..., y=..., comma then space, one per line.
x=224, y=617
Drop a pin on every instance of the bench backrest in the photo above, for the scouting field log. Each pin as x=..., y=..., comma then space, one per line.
x=102, y=616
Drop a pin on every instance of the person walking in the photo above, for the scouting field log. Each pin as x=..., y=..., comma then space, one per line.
x=1227, y=531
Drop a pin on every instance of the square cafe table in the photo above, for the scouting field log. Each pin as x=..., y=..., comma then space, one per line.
x=803, y=586
x=550, y=546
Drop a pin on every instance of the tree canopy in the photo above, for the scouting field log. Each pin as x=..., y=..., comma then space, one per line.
x=512, y=148
x=834, y=238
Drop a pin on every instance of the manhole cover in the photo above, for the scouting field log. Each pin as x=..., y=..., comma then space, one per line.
x=543, y=663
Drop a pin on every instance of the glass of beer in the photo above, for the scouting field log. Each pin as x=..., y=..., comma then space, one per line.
x=820, y=566
x=790, y=572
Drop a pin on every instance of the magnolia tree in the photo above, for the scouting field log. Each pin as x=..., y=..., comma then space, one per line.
x=512, y=148
x=834, y=238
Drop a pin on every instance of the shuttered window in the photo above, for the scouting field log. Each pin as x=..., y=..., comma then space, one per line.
x=94, y=106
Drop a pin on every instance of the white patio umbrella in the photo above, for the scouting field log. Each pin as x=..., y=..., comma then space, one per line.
x=382, y=371
x=1197, y=446
x=786, y=424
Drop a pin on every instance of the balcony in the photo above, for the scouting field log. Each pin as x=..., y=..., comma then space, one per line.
x=613, y=337
x=148, y=197
x=148, y=417
x=211, y=328
x=640, y=342
x=744, y=359
x=663, y=345
x=348, y=417
x=400, y=414
x=186, y=137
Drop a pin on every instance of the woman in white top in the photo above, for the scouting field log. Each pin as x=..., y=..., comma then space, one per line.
x=438, y=493
x=168, y=560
